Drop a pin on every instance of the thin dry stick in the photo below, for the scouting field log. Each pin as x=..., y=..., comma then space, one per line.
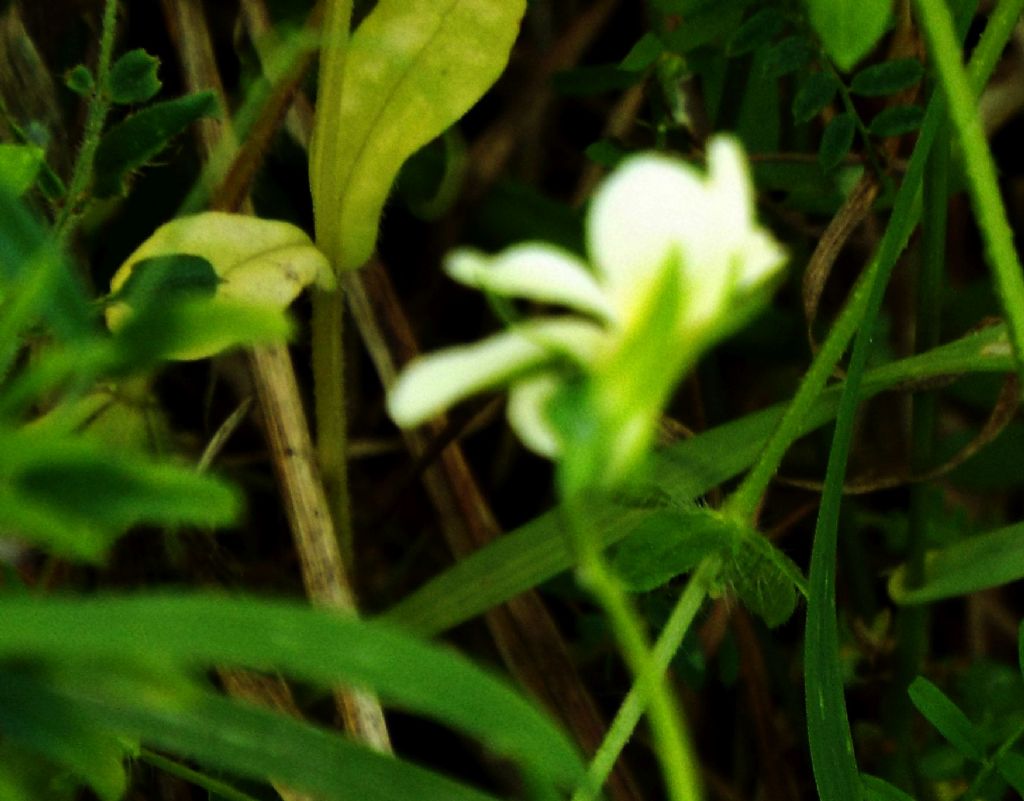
x=323, y=571
x=526, y=636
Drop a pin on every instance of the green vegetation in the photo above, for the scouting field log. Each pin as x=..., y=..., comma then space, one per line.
x=744, y=283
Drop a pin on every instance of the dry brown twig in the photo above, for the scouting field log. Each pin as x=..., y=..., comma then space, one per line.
x=323, y=570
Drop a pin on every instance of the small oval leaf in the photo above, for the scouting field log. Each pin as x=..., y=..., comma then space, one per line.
x=80, y=81
x=133, y=78
x=897, y=120
x=888, y=78
x=815, y=92
x=836, y=141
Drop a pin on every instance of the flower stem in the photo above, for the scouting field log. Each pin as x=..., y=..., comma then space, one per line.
x=639, y=696
x=672, y=742
x=99, y=107
x=979, y=166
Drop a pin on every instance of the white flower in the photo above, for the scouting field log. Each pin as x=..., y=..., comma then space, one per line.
x=656, y=225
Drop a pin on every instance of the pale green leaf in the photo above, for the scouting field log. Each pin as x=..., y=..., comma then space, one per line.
x=412, y=69
x=849, y=29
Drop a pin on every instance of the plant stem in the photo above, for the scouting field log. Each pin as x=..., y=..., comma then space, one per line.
x=329, y=307
x=982, y=182
x=672, y=742
x=99, y=107
x=636, y=701
x=329, y=400
x=990, y=765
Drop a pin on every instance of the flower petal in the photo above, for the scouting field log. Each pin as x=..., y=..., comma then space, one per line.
x=729, y=183
x=647, y=209
x=430, y=384
x=534, y=272
x=527, y=414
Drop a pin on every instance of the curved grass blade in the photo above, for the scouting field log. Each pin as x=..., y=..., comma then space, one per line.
x=312, y=645
x=976, y=563
x=234, y=736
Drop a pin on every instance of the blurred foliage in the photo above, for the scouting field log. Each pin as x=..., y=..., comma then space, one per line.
x=100, y=436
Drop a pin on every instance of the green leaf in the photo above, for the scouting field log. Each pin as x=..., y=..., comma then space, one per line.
x=316, y=646
x=19, y=167
x=38, y=722
x=80, y=81
x=412, y=69
x=606, y=152
x=232, y=736
x=75, y=496
x=643, y=54
x=897, y=120
x=759, y=119
x=887, y=78
x=1011, y=768
x=160, y=278
x=970, y=565
x=877, y=789
x=139, y=138
x=947, y=718
x=849, y=29
x=815, y=92
x=836, y=141
x=763, y=578
x=668, y=543
x=756, y=31
x=1020, y=648
x=32, y=264
x=133, y=78
x=787, y=56
x=27, y=776
x=194, y=329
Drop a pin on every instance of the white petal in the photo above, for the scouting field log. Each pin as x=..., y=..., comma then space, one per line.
x=432, y=383
x=650, y=207
x=729, y=181
x=537, y=272
x=762, y=256
x=527, y=414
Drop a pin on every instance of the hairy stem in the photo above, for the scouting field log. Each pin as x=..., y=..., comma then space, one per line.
x=99, y=107
x=672, y=742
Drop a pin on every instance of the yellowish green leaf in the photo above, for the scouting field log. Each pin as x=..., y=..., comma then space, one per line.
x=411, y=70
x=257, y=263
